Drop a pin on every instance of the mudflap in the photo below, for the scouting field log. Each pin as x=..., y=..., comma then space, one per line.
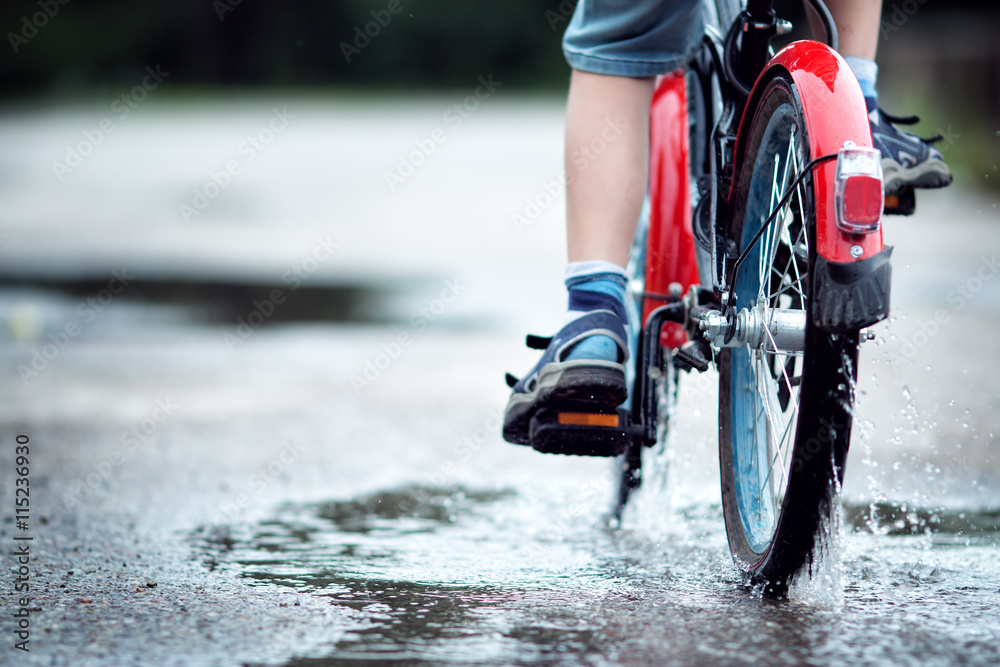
x=851, y=295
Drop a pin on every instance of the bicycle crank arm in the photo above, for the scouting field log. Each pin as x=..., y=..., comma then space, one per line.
x=759, y=327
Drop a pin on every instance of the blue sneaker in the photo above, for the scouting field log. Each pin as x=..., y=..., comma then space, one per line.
x=563, y=380
x=907, y=160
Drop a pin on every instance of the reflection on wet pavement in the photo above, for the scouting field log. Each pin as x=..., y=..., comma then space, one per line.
x=430, y=574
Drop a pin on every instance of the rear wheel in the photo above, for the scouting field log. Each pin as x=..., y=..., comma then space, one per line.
x=784, y=414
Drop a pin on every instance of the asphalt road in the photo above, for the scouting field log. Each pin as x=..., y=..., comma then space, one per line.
x=206, y=491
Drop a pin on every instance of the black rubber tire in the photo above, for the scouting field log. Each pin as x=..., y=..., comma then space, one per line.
x=826, y=368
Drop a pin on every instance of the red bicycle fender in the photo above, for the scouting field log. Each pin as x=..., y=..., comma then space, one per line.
x=834, y=111
x=670, y=251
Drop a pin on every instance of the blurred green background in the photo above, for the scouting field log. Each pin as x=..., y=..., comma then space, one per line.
x=939, y=59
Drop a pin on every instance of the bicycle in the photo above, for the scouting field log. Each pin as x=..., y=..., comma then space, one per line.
x=760, y=251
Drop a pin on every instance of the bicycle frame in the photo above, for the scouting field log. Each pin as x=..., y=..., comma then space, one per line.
x=834, y=112
x=706, y=216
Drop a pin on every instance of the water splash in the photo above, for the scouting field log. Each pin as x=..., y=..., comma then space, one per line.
x=821, y=582
x=651, y=507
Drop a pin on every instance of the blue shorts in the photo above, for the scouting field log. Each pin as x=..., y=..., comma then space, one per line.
x=636, y=38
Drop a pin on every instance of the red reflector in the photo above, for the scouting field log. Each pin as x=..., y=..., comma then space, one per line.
x=858, y=194
x=862, y=203
x=587, y=419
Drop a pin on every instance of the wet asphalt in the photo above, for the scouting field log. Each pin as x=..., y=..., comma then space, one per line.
x=211, y=486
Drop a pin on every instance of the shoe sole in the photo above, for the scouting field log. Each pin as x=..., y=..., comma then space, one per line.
x=581, y=388
x=928, y=175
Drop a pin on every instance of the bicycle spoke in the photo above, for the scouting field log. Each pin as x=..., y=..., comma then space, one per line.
x=802, y=218
x=784, y=373
x=771, y=393
x=794, y=285
x=773, y=426
x=778, y=415
x=777, y=456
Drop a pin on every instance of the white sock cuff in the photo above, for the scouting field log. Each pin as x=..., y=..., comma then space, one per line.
x=578, y=269
x=864, y=69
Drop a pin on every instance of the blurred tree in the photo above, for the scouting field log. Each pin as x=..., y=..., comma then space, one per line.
x=58, y=48
x=413, y=43
x=86, y=44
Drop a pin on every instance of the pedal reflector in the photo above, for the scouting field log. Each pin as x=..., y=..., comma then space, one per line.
x=901, y=202
x=588, y=419
x=580, y=433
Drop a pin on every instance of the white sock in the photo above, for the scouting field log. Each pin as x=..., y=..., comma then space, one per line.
x=577, y=269
x=866, y=72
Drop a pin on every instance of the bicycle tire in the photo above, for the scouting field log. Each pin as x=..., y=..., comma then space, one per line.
x=777, y=490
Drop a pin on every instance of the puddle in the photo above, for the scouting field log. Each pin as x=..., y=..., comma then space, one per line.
x=206, y=300
x=481, y=577
x=944, y=524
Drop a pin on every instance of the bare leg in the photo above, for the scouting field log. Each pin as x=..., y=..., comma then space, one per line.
x=607, y=164
x=857, y=25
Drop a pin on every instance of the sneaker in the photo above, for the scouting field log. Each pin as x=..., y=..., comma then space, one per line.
x=588, y=385
x=907, y=160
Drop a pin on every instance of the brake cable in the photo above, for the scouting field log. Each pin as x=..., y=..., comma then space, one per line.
x=812, y=164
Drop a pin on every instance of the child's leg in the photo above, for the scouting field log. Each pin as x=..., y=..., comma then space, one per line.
x=857, y=26
x=615, y=49
x=607, y=163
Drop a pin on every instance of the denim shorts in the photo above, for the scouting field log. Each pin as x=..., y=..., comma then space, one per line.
x=636, y=38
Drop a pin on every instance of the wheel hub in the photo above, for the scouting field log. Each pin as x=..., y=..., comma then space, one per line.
x=759, y=327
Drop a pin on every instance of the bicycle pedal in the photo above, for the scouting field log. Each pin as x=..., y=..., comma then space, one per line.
x=901, y=202
x=690, y=356
x=569, y=431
